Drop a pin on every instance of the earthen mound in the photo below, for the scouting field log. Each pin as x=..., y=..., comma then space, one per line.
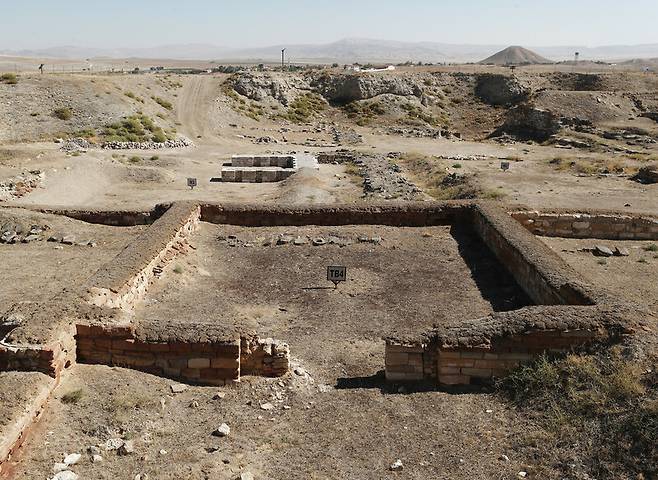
x=515, y=55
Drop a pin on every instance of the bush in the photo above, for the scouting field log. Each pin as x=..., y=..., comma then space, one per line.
x=9, y=78
x=604, y=405
x=136, y=128
x=163, y=103
x=63, y=113
x=304, y=107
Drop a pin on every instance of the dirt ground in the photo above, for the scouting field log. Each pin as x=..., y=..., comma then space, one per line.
x=631, y=277
x=41, y=269
x=347, y=429
x=281, y=291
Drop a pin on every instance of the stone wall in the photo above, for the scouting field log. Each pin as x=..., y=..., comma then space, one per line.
x=212, y=362
x=543, y=275
x=256, y=175
x=602, y=225
x=281, y=161
x=266, y=358
x=409, y=214
x=467, y=365
x=50, y=359
x=126, y=279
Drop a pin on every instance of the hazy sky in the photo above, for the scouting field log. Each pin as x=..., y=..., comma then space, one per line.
x=247, y=23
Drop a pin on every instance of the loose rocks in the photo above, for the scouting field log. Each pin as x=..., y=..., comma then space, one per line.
x=223, y=431
x=397, y=466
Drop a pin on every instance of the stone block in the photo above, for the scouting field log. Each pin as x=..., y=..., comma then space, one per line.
x=198, y=363
x=454, y=379
x=394, y=358
x=224, y=362
x=477, y=372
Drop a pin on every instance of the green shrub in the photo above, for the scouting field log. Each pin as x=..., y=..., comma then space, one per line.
x=63, y=113
x=136, y=128
x=652, y=247
x=304, y=107
x=9, y=78
x=163, y=103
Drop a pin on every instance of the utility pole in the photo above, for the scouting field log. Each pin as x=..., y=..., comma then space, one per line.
x=283, y=59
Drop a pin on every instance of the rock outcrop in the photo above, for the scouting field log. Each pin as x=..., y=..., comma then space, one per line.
x=351, y=87
x=647, y=175
x=269, y=86
x=527, y=122
x=497, y=89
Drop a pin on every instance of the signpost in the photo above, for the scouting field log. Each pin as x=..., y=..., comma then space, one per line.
x=336, y=275
x=191, y=182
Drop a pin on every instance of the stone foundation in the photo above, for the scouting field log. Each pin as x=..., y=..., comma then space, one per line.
x=214, y=362
x=605, y=226
x=463, y=366
x=126, y=279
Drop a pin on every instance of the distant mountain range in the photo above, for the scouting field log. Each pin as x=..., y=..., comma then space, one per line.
x=343, y=51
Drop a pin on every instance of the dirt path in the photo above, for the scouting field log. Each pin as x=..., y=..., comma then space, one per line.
x=194, y=103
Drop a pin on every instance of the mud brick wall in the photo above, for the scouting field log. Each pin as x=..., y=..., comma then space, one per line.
x=19, y=429
x=411, y=214
x=125, y=280
x=215, y=362
x=267, y=358
x=463, y=366
x=535, y=267
x=211, y=363
x=405, y=363
x=606, y=226
x=50, y=359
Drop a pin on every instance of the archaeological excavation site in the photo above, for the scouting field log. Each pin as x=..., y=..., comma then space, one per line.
x=360, y=260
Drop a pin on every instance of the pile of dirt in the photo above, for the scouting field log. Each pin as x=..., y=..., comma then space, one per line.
x=515, y=55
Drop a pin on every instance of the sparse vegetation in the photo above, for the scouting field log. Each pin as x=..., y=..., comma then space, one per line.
x=136, y=128
x=416, y=114
x=604, y=405
x=9, y=78
x=430, y=173
x=652, y=247
x=178, y=269
x=305, y=107
x=163, y=103
x=63, y=113
x=592, y=166
x=364, y=112
x=73, y=396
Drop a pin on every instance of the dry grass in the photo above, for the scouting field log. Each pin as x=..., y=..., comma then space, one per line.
x=73, y=396
x=602, y=408
x=593, y=166
x=431, y=175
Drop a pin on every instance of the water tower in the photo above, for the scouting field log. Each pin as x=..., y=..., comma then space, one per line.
x=576, y=57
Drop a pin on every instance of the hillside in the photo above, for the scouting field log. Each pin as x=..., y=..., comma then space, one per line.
x=515, y=55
